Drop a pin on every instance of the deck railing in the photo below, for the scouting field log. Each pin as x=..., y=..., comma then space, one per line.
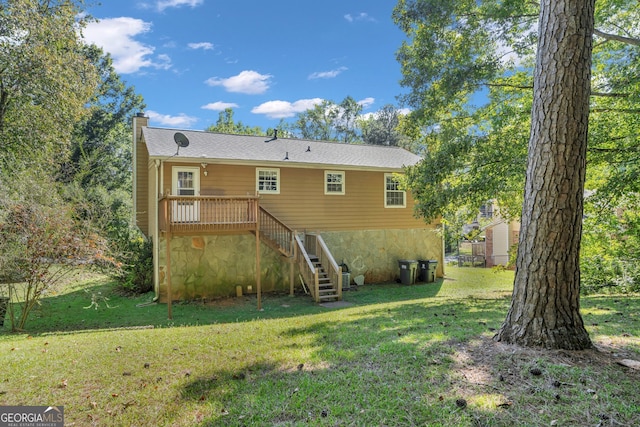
x=197, y=214
x=307, y=270
x=276, y=231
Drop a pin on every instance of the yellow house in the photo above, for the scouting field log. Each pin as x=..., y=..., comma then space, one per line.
x=232, y=214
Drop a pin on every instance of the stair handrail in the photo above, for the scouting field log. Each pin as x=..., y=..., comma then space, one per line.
x=276, y=231
x=307, y=269
x=326, y=259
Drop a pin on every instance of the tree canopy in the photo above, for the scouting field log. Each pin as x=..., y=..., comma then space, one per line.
x=226, y=124
x=45, y=80
x=469, y=66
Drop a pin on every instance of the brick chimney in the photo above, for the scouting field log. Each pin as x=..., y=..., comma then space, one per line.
x=139, y=121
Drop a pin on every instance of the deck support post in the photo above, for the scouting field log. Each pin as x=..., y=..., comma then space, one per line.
x=292, y=262
x=169, y=296
x=258, y=268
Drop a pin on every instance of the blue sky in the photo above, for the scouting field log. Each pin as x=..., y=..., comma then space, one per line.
x=267, y=60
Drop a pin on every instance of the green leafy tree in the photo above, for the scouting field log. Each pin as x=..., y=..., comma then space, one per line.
x=226, y=124
x=460, y=53
x=101, y=146
x=97, y=176
x=383, y=128
x=474, y=153
x=545, y=308
x=318, y=122
x=45, y=81
x=329, y=121
x=347, y=121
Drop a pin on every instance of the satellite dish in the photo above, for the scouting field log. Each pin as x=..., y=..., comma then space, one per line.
x=181, y=140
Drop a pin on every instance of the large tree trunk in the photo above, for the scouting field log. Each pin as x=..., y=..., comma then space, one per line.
x=545, y=304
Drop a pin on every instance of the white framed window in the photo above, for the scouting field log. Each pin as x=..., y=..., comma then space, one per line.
x=333, y=182
x=393, y=196
x=268, y=181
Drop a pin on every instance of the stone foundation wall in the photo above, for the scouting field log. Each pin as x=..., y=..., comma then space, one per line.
x=375, y=253
x=212, y=266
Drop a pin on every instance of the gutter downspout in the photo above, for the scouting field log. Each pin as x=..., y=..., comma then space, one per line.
x=156, y=239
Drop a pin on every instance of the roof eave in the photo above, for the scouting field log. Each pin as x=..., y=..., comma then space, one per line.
x=271, y=163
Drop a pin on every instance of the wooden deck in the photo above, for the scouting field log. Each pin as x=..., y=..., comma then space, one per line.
x=208, y=214
x=189, y=215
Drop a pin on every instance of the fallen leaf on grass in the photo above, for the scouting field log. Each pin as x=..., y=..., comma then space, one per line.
x=629, y=363
x=504, y=404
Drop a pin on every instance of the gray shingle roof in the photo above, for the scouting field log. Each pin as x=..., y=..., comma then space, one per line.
x=254, y=150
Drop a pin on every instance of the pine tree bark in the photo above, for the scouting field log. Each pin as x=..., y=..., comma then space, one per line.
x=545, y=306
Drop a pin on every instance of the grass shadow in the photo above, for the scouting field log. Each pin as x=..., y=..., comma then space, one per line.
x=423, y=362
x=97, y=306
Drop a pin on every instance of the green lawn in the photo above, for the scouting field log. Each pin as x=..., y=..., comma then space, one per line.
x=396, y=355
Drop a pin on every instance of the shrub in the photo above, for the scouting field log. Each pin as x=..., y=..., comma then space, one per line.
x=136, y=273
x=39, y=246
x=600, y=274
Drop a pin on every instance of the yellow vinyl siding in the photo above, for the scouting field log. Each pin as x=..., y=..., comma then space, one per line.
x=302, y=204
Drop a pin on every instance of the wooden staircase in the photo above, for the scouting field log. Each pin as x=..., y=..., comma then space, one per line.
x=321, y=274
x=327, y=290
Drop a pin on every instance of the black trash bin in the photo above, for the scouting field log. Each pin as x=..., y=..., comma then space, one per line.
x=432, y=264
x=408, y=269
x=423, y=270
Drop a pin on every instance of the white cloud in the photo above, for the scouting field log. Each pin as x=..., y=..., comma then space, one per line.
x=284, y=109
x=179, y=121
x=219, y=106
x=201, y=45
x=367, y=102
x=248, y=82
x=362, y=16
x=117, y=36
x=165, y=4
x=327, y=74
